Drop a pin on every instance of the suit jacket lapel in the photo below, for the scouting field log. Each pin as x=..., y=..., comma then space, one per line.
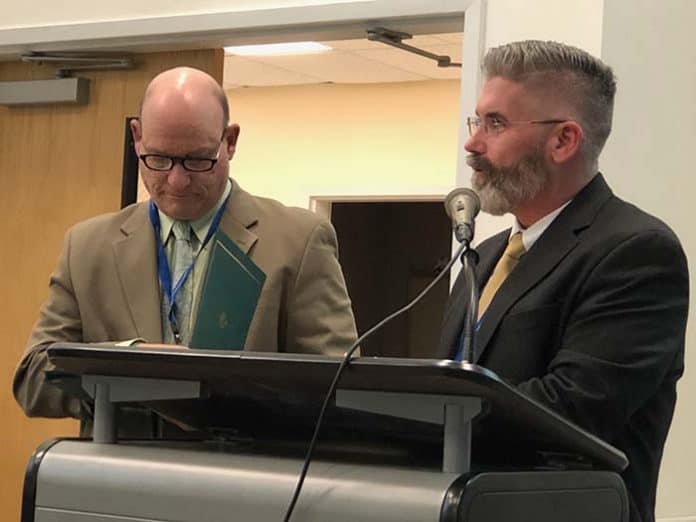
x=533, y=266
x=240, y=215
x=549, y=250
x=136, y=265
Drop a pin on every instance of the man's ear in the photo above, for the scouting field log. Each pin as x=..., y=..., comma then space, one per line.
x=566, y=141
x=136, y=131
x=231, y=138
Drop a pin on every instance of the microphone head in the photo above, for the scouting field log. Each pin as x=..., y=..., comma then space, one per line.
x=462, y=199
x=462, y=206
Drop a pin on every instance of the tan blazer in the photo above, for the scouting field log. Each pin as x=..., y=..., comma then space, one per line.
x=105, y=288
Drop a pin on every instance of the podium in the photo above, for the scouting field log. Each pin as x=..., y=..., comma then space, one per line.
x=399, y=443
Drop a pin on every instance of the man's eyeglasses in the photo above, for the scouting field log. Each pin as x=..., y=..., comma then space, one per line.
x=162, y=163
x=494, y=125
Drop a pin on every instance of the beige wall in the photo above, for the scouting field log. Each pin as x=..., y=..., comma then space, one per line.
x=384, y=139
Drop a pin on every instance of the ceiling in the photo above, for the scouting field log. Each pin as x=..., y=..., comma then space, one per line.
x=349, y=61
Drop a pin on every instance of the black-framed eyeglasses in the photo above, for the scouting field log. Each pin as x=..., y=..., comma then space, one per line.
x=161, y=163
x=164, y=163
x=495, y=125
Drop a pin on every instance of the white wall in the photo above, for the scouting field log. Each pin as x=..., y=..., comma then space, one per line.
x=26, y=14
x=577, y=23
x=650, y=46
x=160, y=25
x=45, y=13
x=648, y=160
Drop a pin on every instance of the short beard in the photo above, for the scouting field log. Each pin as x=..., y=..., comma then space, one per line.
x=504, y=188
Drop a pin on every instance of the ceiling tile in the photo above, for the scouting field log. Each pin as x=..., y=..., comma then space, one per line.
x=415, y=63
x=365, y=44
x=350, y=61
x=424, y=40
x=242, y=72
x=455, y=38
x=353, y=45
x=343, y=67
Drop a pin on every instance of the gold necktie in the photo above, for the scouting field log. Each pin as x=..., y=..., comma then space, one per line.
x=506, y=263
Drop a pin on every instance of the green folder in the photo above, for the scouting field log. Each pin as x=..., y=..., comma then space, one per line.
x=228, y=298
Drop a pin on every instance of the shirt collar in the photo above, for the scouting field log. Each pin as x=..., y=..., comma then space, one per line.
x=534, y=232
x=201, y=225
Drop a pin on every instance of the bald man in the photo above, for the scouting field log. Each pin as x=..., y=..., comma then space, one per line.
x=108, y=284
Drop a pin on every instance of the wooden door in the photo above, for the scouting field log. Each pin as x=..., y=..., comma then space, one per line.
x=59, y=164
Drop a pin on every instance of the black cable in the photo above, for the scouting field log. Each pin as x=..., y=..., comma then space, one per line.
x=344, y=363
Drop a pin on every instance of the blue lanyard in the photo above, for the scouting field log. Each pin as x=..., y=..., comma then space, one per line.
x=163, y=270
x=460, y=342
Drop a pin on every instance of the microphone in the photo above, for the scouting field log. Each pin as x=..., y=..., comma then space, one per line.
x=462, y=205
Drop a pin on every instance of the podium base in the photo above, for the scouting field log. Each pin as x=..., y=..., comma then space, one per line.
x=73, y=480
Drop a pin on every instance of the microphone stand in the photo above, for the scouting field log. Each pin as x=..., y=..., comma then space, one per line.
x=469, y=260
x=462, y=205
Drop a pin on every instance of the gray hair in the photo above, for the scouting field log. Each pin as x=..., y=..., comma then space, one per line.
x=584, y=81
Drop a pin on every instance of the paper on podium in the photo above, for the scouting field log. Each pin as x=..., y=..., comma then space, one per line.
x=229, y=295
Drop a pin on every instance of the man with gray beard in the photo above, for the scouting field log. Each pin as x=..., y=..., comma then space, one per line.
x=584, y=300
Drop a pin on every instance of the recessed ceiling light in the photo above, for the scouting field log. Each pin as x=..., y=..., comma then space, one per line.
x=277, y=49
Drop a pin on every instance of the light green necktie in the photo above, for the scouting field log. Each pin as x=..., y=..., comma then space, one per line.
x=182, y=258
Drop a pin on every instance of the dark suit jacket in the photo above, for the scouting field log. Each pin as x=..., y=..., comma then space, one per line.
x=591, y=323
x=105, y=288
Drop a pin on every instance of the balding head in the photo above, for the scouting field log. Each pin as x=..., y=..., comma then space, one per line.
x=185, y=86
x=183, y=120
